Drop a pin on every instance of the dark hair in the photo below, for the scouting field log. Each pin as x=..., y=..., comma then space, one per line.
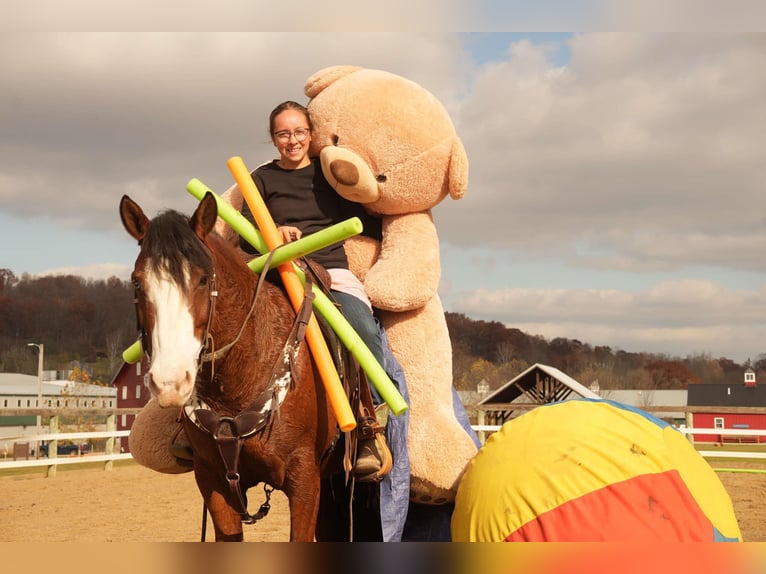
x=288, y=105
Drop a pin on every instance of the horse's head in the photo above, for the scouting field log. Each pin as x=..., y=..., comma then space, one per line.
x=172, y=276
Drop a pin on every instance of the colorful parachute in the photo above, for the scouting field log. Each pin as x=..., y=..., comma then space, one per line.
x=587, y=471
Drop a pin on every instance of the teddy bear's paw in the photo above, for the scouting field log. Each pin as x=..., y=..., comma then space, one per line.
x=423, y=492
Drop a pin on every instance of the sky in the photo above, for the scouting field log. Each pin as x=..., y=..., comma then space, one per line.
x=616, y=180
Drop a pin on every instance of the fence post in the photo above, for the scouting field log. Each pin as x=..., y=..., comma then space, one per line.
x=480, y=419
x=690, y=425
x=109, y=447
x=53, y=446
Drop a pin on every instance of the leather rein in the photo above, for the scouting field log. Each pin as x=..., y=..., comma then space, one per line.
x=230, y=433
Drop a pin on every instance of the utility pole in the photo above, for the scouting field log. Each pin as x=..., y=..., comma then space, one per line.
x=41, y=350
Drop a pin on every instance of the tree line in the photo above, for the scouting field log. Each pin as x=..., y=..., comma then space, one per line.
x=80, y=322
x=491, y=352
x=88, y=323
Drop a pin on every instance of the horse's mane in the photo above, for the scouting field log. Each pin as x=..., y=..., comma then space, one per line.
x=170, y=243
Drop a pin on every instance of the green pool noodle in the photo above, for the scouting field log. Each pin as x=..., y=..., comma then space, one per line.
x=345, y=332
x=348, y=336
x=285, y=253
x=133, y=354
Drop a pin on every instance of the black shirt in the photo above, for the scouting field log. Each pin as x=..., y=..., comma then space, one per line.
x=304, y=199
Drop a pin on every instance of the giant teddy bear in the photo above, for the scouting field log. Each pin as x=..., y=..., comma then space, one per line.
x=386, y=142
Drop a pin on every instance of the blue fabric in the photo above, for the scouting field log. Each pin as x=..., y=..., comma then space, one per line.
x=400, y=519
x=395, y=487
x=360, y=317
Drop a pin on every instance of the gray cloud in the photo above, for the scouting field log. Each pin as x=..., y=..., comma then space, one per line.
x=642, y=154
x=646, y=146
x=680, y=317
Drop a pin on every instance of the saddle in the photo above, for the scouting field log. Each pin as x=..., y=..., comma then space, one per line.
x=367, y=438
x=367, y=441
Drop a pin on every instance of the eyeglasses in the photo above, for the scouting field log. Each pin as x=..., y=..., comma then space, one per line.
x=300, y=135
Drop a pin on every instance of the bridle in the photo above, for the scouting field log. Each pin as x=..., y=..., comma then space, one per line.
x=229, y=433
x=207, y=352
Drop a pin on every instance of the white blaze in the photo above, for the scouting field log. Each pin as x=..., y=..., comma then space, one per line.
x=174, y=346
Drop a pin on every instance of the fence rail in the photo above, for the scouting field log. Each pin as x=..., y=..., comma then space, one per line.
x=27, y=402
x=482, y=429
x=107, y=458
x=22, y=452
x=55, y=461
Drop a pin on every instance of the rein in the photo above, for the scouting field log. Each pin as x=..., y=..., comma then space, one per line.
x=230, y=433
x=213, y=355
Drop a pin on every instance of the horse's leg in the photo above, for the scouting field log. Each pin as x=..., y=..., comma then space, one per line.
x=226, y=521
x=303, y=495
x=332, y=520
x=339, y=510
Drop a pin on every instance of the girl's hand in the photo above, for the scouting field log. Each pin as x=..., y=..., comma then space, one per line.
x=289, y=233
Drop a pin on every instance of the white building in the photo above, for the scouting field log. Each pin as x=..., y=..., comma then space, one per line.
x=19, y=392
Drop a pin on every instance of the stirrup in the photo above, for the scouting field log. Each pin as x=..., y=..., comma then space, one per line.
x=183, y=454
x=373, y=457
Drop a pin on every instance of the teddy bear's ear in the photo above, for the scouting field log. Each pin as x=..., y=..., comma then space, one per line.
x=458, y=170
x=326, y=76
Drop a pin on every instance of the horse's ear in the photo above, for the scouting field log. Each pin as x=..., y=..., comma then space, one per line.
x=133, y=218
x=204, y=217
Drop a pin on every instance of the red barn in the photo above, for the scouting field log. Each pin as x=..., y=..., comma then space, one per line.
x=131, y=393
x=725, y=406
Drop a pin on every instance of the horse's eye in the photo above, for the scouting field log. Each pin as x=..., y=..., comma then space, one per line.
x=380, y=178
x=136, y=283
x=203, y=281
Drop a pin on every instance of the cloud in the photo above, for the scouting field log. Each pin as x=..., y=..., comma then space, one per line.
x=87, y=117
x=96, y=271
x=686, y=316
x=613, y=173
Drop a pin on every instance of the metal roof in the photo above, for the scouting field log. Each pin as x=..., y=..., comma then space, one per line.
x=647, y=397
x=17, y=384
x=514, y=388
x=727, y=395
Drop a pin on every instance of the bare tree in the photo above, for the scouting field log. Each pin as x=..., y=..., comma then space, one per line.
x=115, y=343
x=505, y=352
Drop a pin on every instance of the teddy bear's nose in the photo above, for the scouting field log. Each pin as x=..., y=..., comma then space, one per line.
x=344, y=172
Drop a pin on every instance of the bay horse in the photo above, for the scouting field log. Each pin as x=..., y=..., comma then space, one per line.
x=225, y=348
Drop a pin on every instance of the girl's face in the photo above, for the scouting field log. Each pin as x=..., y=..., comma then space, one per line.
x=291, y=136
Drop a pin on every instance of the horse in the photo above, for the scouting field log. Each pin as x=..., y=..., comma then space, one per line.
x=225, y=349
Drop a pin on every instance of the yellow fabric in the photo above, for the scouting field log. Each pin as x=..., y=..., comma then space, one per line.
x=559, y=452
x=703, y=483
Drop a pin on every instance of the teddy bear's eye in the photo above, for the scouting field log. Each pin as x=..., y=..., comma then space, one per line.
x=335, y=139
x=380, y=178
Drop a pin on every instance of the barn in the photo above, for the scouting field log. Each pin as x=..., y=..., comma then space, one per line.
x=538, y=385
x=726, y=406
x=131, y=394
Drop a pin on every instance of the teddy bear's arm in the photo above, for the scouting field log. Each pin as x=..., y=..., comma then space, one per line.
x=406, y=275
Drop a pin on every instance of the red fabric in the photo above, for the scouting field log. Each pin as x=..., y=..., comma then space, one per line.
x=647, y=508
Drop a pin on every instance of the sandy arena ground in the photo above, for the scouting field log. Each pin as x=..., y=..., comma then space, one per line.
x=133, y=504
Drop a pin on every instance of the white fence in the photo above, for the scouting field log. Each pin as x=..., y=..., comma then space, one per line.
x=53, y=460
x=727, y=432
x=8, y=402
x=722, y=453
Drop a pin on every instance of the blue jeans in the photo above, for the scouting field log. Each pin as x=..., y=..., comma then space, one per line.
x=359, y=316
